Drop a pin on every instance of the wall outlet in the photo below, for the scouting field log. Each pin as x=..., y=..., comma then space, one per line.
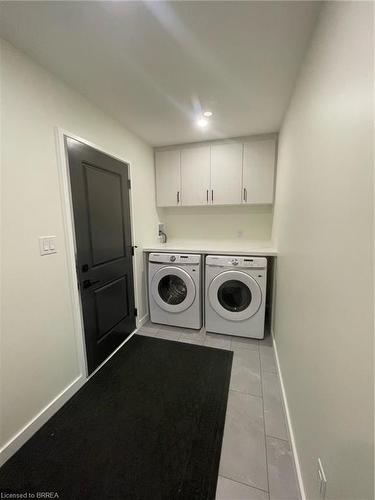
x=322, y=480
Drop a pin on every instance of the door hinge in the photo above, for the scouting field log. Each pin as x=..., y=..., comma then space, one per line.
x=135, y=311
x=129, y=184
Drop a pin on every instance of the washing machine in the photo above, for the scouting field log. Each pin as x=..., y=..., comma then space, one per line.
x=175, y=289
x=235, y=293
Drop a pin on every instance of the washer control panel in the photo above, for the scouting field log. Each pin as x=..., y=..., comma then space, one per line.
x=232, y=261
x=174, y=258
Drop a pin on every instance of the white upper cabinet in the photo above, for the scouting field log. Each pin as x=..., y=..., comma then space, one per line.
x=168, y=178
x=226, y=173
x=220, y=173
x=259, y=171
x=195, y=175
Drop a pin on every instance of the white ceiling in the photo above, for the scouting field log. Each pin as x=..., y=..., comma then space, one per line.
x=151, y=65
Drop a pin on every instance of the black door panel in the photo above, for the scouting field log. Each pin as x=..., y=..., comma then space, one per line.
x=111, y=301
x=105, y=215
x=101, y=208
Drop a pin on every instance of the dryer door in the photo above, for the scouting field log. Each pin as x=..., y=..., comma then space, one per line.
x=235, y=295
x=173, y=289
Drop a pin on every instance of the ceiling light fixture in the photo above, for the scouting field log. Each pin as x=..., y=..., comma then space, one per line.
x=202, y=122
x=208, y=113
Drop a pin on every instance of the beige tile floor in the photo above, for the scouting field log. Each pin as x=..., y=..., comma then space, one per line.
x=256, y=460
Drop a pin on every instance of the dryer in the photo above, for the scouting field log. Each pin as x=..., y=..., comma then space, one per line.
x=235, y=293
x=175, y=289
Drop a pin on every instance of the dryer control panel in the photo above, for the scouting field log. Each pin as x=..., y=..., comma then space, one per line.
x=236, y=262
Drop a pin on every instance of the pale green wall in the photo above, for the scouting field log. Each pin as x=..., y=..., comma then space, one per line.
x=324, y=232
x=38, y=345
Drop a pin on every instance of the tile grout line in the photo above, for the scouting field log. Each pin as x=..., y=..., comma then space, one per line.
x=279, y=439
x=247, y=394
x=264, y=424
x=244, y=484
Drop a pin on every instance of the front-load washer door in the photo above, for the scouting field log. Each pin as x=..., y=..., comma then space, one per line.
x=235, y=295
x=173, y=289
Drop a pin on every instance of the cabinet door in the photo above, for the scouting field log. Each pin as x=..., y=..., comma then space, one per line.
x=195, y=175
x=168, y=178
x=226, y=174
x=259, y=171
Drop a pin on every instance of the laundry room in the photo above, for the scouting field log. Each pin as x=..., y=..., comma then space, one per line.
x=187, y=250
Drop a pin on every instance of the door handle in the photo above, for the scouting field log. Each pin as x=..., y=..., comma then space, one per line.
x=133, y=249
x=244, y=194
x=89, y=283
x=178, y=197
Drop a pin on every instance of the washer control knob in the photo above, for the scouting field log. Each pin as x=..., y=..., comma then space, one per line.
x=172, y=258
x=234, y=262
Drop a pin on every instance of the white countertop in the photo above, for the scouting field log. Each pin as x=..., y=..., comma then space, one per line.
x=264, y=248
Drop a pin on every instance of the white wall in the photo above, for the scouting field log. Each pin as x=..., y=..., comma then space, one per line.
x=232, y=225
x=38, y=351
x=324, y=231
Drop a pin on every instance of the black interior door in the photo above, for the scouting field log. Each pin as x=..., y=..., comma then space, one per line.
x=100, y=196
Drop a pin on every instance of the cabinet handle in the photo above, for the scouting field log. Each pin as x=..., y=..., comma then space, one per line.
x=207, y=195
x=212, y=195
x=178, y=197
x=244, y=194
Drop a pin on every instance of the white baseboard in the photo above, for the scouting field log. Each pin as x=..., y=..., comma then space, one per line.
x=143, y=320
x=40, y=419
x=51, y=408
x=289, y=422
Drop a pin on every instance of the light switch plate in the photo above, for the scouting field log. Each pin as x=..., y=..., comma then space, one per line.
x=47, y=245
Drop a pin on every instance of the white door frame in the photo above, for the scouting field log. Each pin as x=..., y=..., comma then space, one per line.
x=70, y=241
